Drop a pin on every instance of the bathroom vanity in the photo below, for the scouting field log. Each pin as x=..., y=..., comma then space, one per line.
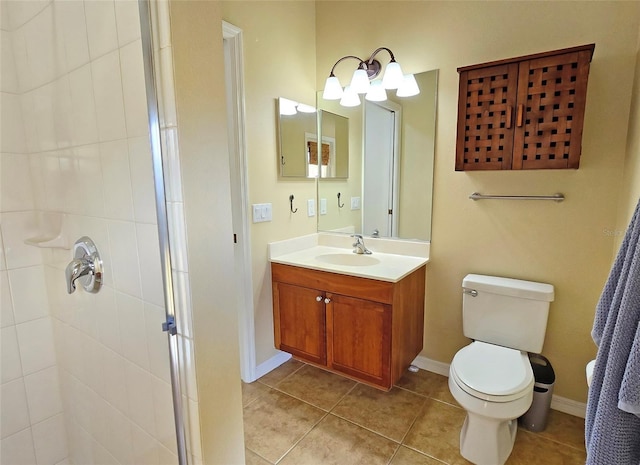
x=361, y=316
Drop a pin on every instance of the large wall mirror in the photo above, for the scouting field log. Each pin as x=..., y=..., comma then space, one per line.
x=391, y=152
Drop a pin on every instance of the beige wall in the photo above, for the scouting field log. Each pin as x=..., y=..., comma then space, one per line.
x=631, y=183
x=204, y=159
x=564, y=244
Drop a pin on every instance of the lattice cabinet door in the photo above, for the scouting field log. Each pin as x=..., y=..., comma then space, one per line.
x=550, y=113
x=523, y=113
x=485, y=118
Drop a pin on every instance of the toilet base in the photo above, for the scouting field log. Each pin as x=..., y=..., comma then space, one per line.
x=485, y=441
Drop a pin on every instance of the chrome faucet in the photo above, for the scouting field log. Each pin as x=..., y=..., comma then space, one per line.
x=358, y=245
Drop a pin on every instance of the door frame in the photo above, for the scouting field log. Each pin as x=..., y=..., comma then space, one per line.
x=238, y=164
x=394, y=201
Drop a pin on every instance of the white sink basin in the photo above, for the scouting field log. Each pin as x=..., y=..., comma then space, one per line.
x=348, y=259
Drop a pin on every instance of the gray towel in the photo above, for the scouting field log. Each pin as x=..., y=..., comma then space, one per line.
x=612, y=424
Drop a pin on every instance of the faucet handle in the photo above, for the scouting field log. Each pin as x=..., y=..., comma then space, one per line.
x=86, y=264
x=75, y=270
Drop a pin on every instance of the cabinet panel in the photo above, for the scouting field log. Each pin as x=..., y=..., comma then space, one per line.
x=299, y=322
x=485, y=122
x=551, y=96
x=369, y=289
x=359, y=338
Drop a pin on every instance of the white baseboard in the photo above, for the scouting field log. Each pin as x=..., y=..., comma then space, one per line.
x=271, y=364
x=572, y=407
x=433, y=366
x=561, y=404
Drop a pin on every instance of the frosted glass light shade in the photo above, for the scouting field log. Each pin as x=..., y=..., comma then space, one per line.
x=360, y=81
x=349, y=98
x=392, y=76
x=409, y=87
x=376, y=92
x=332, y=89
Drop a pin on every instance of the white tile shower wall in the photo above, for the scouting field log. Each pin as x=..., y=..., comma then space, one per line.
x=85, y=377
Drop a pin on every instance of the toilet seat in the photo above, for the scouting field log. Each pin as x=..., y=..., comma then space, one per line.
x=492, y=373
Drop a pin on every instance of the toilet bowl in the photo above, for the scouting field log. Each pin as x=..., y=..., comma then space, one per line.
x=492, y=378
x=494, y=385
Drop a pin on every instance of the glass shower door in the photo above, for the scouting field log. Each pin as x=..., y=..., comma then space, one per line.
x=85, y=377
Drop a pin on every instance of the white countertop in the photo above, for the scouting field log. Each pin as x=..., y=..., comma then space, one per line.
x=313, y=252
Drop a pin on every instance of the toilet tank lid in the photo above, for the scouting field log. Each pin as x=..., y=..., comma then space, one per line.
x=509, y=286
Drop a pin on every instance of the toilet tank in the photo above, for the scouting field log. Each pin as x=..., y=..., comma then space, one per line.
x=507, y=312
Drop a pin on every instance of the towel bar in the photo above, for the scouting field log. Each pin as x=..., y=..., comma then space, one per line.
x=479, y=196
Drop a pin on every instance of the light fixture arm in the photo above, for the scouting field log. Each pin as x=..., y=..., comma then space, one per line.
x=344, y=58
x=371, y=65
x=374, y=66
x=378, y=50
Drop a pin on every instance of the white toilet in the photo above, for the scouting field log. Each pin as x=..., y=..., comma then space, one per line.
x=491, y=378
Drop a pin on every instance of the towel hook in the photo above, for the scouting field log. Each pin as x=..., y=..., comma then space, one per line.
x=340, y=206
x=291, y=204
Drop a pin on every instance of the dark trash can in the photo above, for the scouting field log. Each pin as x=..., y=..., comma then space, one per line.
x=536, y=417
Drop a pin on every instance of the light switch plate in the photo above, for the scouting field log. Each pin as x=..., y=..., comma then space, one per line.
x=261, y=212
x=311, y=207
x=323, y=206
x=355, y=203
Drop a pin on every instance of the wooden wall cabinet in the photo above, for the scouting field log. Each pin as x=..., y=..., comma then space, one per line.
x=362, y=328
x=523, y=113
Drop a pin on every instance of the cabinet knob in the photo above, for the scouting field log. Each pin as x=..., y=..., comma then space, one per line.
x=319, y=298
x=327, y=300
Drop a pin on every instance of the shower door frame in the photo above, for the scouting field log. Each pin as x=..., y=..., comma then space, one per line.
x=163, y=227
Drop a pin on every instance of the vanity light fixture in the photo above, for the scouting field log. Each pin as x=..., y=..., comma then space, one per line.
x=375, y=91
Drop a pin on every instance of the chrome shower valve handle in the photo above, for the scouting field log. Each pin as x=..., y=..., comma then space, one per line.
x=86, y=266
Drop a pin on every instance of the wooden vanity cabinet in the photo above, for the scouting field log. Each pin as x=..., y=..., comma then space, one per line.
x=366, y=329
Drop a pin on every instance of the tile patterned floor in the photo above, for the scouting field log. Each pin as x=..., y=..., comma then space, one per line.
x=302, y=415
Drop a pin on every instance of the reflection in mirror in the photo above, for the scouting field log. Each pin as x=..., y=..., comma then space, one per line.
x=407, y=207
x=297, y=128
x=338, y=215
x=335, y=145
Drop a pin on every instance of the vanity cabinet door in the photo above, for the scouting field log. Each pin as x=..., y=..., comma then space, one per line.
x=359, y=338
x=299, y=322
